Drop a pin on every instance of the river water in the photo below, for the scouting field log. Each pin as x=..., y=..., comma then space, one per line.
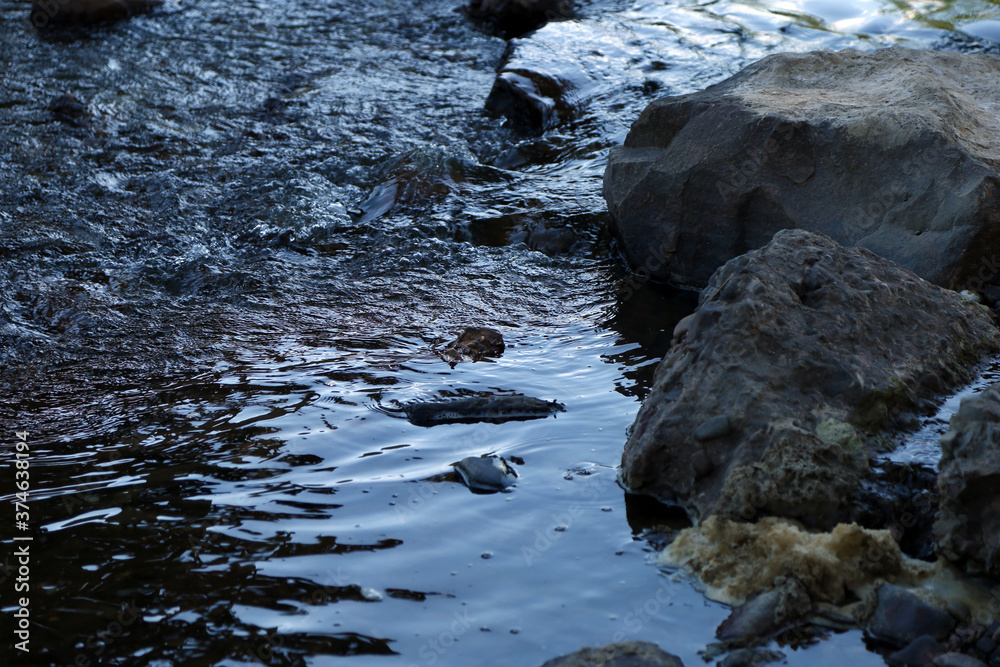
x=215, y=289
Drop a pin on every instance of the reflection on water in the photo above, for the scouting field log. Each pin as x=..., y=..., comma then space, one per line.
x=266, y=223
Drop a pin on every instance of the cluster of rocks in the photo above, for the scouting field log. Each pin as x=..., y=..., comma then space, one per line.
x=486, y=473
x=830, y=207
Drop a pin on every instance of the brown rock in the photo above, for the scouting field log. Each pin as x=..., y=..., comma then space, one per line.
x=475, y=344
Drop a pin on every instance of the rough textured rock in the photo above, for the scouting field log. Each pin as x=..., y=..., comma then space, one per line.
x=811, y=351
x=895, y=150
x=968, y=526
x=45, y=13
x=626, y=654
x=901, y=617
x=474, y=344
x=548, y=77
x=513, y=18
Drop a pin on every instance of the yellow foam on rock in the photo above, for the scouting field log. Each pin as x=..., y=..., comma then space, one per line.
x=734, y=560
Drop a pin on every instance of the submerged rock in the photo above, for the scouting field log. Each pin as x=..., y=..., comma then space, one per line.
x=626, y=654
x=486, y=474
x=513, y=18
x=967, y=530
x=425, y=174
x=895, y=150
x=492, y=409
x=45, y=13
x=475, y=344
x=548, y=77
x=810, y=351
x=69, y=109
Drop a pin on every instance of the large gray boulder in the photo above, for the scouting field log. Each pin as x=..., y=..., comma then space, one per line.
x=798, y=359
x=968, y=526
x=896, y=151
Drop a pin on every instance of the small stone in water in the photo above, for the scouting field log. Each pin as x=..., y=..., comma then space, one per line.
x=487, y=555
x=486, y=474
x=475, y=344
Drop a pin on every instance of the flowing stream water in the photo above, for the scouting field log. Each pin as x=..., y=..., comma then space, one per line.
x=216, y=288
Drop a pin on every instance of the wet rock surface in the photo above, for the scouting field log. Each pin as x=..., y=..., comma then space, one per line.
x=812, y=352
x=490, y=409
x=904, y=498
x=968, y=526
x=51, y=13
x=952, y=659
x=901, y=617
x=626, y=654
x=486, y=474
x=793, y=141
x=921, y=652
x=513, y=18
x=474, y=344
x=767, y=613
x=548, y=77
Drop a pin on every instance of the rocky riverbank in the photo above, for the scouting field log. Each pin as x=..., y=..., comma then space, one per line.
x=809, y=353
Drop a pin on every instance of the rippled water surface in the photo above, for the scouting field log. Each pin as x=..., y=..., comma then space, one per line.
x=216, y=290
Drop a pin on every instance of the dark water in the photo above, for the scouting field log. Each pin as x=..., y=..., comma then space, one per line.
x=273, y=214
